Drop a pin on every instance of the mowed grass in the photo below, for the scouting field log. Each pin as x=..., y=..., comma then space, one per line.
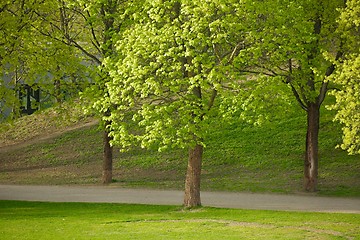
x=37, y=220
x=238, y=157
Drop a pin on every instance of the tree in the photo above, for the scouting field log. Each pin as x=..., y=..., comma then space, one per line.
x=89, y=26
x=348, y=78
x=15, y=48
x=294, y=41
x=28, y=58
x=54, y=42
x=172, y=66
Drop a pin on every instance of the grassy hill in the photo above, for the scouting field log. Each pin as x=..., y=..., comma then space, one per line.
x=238, y=157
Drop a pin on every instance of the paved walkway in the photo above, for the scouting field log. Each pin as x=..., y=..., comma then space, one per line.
x=159, y=197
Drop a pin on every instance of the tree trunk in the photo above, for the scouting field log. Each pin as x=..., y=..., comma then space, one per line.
x=311, y=154
x=192, y=181
x=107, y=159
x=57, y=92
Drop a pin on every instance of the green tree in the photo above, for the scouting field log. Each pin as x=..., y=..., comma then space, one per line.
x=294, y=41
x=15, y=47
x=89, y=26
x=172, y=66
x=29, y=58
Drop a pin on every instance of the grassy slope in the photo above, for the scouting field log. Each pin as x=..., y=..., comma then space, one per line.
x=42, y=123
x=32, y=220
x=238, y=157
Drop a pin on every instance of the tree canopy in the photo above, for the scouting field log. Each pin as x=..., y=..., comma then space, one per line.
x=170, y=68
x=29, y=57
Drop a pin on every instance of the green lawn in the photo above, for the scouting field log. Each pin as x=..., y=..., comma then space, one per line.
x=35, y=220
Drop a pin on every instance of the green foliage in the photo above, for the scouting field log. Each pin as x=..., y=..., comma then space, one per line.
x=312, y=46
x=348, y=79
x=29, y=53
x=174, y=62
x=348, y=103
x=288, y=40
x=102, y=22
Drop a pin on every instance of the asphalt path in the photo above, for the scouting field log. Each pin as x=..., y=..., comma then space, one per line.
x=103, y=194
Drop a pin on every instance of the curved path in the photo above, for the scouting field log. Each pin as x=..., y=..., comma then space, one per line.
x=166, y=197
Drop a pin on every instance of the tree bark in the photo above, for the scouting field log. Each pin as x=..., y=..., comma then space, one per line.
x=107, y=159
x=192, y=181
x=57, y=92
x=311, y=162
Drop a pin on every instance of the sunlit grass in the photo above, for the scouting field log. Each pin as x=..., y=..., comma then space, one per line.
x=33, y=220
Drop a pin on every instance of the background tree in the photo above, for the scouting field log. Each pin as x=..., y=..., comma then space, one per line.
x=293, y=41
x=15, y=47
x=89, y=27
x=29, y=58
x=173, y=63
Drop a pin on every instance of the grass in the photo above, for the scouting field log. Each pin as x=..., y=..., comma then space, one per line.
x=47, y=121
x=37, y=220
x=238, y=157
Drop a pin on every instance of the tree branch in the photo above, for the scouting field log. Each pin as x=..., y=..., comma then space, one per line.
x=270, y=71
x=96, y=41
x=212, y=99
x=323, y=91
x=298, y=98
x=234, y=52
x=270, y=74
x=92, y=56
x=329, y=71
x=70, y=42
